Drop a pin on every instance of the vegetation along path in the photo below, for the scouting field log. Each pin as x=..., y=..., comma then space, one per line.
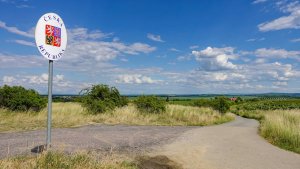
x=234, y=145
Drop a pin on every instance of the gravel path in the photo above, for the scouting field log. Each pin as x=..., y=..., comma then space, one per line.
x=92, y=137
x=234, y=145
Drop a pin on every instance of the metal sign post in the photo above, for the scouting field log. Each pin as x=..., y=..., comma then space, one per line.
x=51, y=40
x=50, y=80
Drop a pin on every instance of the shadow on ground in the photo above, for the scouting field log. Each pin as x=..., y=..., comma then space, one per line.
x=156, y=162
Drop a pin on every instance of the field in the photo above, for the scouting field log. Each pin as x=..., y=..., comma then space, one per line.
x=72, y=115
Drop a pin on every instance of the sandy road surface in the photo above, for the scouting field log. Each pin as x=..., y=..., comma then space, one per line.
x=234, y=145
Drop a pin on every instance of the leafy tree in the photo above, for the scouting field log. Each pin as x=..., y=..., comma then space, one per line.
x=101, y=98
x=17, y=98
x=150, y=104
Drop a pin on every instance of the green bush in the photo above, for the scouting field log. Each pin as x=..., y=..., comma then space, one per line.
x=101, y=98
x=221, y=104
x=17, y=98
x=150, y=104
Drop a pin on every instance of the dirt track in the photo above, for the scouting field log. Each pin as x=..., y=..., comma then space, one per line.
x=234, y=145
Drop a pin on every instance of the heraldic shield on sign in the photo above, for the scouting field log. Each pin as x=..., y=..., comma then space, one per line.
x=51, y=36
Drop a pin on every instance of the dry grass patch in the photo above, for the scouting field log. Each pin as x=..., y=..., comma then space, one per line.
x=282, y=128
x=72, y=115
x=79, y=160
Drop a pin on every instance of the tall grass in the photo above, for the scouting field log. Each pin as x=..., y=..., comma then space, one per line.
x=57, y=160
x=72, y=115
x=282, y=128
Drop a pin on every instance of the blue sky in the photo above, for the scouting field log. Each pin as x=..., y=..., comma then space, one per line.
x=157, y=47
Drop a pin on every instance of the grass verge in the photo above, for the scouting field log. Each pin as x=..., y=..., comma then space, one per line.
x=279, y=127
x=79, y=160
x=72, y=115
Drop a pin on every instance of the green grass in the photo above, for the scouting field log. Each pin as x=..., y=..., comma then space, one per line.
x=59, y=160
x=72, y=115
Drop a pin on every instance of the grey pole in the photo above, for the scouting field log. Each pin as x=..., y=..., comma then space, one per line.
x=50, y=78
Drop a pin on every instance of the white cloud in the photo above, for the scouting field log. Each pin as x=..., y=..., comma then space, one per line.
x=36, y=80
x=15, y=30
x=214, y=59
x=255, y=39
x=220, y=76
x=291, y=21
x=280, y=83
x=124, y=60
x=174, y=50
x=260, y=60
x=295, y=40
x=136, y=79
x=18, y=61
x=8, y=79
x=258, y=1
x=84, y=34
x=156, y=38
x=276, y=53
x=87, y=47
x=184, y=57
x=24, y=42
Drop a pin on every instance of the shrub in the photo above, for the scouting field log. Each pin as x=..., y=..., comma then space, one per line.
x=150, y=104
x=101, y=98
x=17, y=98
x=221, y=104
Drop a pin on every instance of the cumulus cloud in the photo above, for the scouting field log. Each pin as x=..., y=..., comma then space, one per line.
x=20, y=61
x=214, y=59
x=291, y=21
x=85, y=47
x=276, y=53
x=39, y=81
x=84, y=34
x=153, y=37
x=136, y=79
x=220, y=76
